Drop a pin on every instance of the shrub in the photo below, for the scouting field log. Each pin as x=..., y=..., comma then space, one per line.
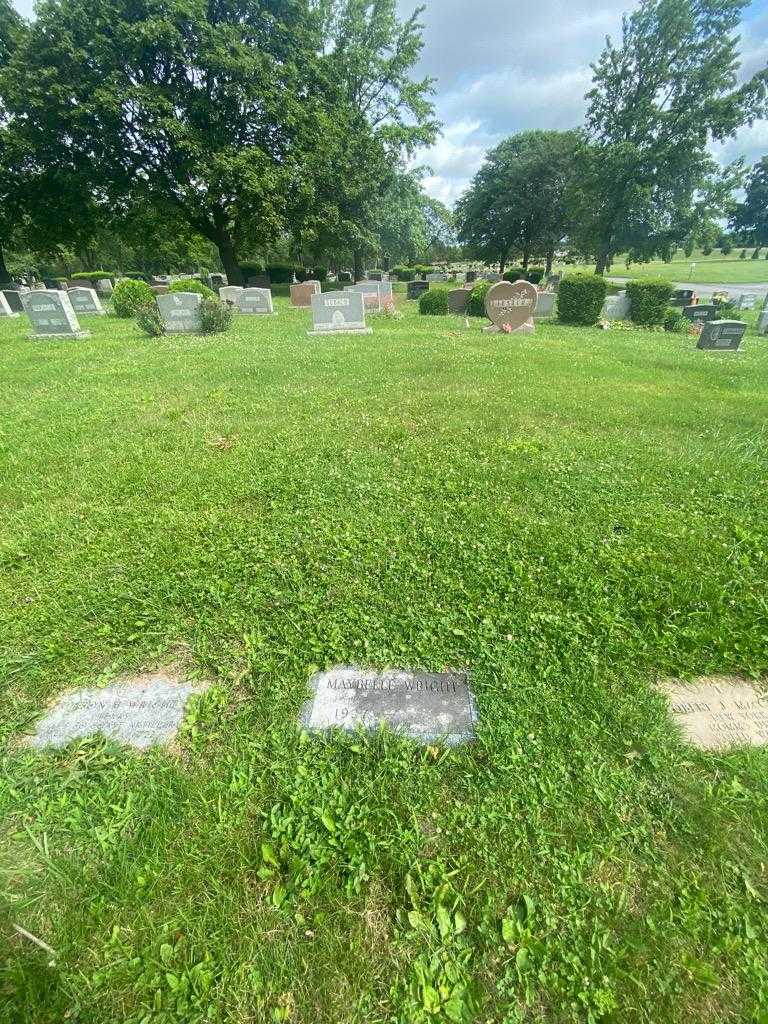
x=743, y=254
x=215, y=315
x=434, y=302
x=149, y=320
x=321, y=274
x=706, y=250
x=535, y=274
x=191, y=284
x=675, y=322
x=649, y=299
x=94, y=275
x=514, y=274
x=130, y=295
x=476, y=304
x=726, y=248
x=581, y=297
x=282, y=273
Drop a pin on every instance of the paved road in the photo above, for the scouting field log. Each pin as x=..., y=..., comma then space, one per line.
x=708, y=289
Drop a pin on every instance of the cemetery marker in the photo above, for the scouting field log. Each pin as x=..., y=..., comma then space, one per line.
x=718, y=712
x=722, y=335
x=52, y=315
x=85, y=300
x=511, y=306
x=180, y=312
x=339, y=313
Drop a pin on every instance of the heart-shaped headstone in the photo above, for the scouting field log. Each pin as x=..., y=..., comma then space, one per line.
x=511, y=305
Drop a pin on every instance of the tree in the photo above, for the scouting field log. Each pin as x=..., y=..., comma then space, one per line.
x=225, y=111
x=657, y=101
x=11, y=28
x=518, y=200
x=751, y=216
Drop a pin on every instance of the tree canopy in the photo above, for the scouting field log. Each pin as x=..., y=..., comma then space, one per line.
x=751, y=215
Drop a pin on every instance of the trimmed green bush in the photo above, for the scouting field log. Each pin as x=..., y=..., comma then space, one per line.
x=535, y=274
x=581, y=297
x=404, y=273
x=94, y=275
x=282, y=273
x=215, y=315
x=726, y=248
x=675, y=322
x=649, y=299
x=191, y=284
x=129, y=296
x=476, y=304
x=434, y=302
x=514, y=274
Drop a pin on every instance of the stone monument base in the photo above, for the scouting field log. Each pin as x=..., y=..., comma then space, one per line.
x=347, y=330
x=68, y=334
x=527, y=328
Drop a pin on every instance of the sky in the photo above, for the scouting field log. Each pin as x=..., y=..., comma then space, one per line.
x=502, y=66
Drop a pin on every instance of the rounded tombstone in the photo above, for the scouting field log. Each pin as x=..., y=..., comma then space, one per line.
x=509, y=306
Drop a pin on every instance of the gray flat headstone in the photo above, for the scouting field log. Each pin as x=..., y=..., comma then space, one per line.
x=141, y=713
x=85, y=300
x=180, y=312
x=700, y=314
x=254, y=301
x=723, y=335
x=339, y=313
x=52, y=315
x=748, y=300
x=425, y=706
x=458, y=300
x=718, y=712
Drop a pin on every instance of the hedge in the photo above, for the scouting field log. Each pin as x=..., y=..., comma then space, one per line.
x=129, y=296
x=404, y=273
x=94, y=275
x=434, y=302
x=191, y=284
x=580, y=298
x=649, y=299
x=476, y=304
x=282, y=273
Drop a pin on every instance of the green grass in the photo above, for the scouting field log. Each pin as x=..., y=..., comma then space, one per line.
x=569, y=515
x=712, y=269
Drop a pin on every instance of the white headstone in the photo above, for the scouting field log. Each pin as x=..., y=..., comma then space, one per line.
x=255, y=301
x=52, y=315
x=180, y=312
x=748, y=300
x=617, y=307
x=229, y=293
x=545, y=304
x=104, y=287
x=339, y=313
x=85, y=300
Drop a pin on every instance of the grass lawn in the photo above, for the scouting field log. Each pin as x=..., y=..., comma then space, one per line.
x=568, y=515
x=712, y=269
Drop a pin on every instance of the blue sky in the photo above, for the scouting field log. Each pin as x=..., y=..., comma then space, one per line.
x=504, y=65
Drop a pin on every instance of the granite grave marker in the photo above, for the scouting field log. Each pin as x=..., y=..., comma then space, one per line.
x=700, y=314
x=180, y=312
x=229, y=293
x=85, y=300
x=52, y=315
x=511, y=306
x=339, y=313
x=417, y=289
x=254, y=301
x=5, y=309
x=722, y=335
x=718, y=712
x=13, y=298
x=458, y=300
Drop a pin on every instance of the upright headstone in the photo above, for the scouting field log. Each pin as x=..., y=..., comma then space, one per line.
x=159, y=289
x=180, y=312
x=493, y=278
x=545, y=304
x=254, y=301
x=301, y=294
x=700, y=314
x=748, y=300
x=229, y=293
x=372, y=292
x=510, y=307
x=375, y=275
x=553, y=282
x=458, y=300
x=344, y=277
x=471, y=276
x=617, y=307
x=682, y=297
x=339, y=313
x=104, y=287
x=13, y=298
x=85, y=300
x=722, y=335
x=217, y=281
x=417, y=288
x=52, y=315
x=385, y=291
x=762, y=323
x=5, y=309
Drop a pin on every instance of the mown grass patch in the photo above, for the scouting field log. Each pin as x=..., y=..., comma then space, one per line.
x=567, y=515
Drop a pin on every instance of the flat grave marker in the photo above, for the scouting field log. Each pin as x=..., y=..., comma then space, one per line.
x=718, y=712
x=52, y=315
x=722, y=335
x=426, y=706
x=180, y=312
x=254, y=301
x=511, y=306
x=140, y=712
x=339, y=313
x=85, y=300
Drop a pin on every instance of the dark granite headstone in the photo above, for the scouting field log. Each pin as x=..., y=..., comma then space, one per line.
x=722, y=335
x=701, y=314
x=471, y=276
x=13, y=298
x=458, y=300
x=682, y=297
x=417, y=288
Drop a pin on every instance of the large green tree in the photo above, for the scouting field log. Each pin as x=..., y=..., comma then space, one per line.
x=658, y=99
x=751, y=215
x=517, y=203
x=11, y=28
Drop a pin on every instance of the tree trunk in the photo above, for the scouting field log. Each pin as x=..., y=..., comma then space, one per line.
x=502, y=264
x=550, y=261
x=228, y=255
x=603, y=259
x=357, y=270
x=4, y=275
x=526, y=259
